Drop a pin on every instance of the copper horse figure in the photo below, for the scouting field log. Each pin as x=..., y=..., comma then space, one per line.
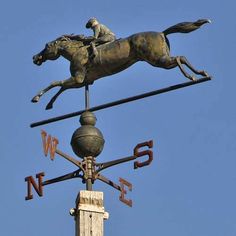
x=152, y=47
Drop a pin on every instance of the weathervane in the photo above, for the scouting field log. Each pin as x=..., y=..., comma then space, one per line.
x=92, y=58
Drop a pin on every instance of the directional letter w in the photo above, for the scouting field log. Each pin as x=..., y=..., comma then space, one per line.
x=49, y=144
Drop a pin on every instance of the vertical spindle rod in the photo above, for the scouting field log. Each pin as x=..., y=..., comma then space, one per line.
x=87, y=97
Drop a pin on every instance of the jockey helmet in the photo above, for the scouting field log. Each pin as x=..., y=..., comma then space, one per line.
x=91, y=22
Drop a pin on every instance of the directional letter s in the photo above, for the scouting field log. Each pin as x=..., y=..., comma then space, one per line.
x=138, y=153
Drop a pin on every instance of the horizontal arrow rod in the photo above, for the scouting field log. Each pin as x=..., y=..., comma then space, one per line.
x=122, y=101
x=72, y=175
x=71, y=159
x=102, y=166
x=109, y=182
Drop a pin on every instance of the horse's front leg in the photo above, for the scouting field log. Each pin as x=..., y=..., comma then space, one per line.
x=43, y=91
x=53, y=99
x=67, y=84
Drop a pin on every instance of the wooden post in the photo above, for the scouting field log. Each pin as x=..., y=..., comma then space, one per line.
x=89, y=214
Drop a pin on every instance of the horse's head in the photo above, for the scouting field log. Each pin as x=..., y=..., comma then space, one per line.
x=62, y=46
x=50, y=52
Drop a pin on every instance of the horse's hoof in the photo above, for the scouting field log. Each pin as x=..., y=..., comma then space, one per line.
x=205, y=74
x=35, y=99
x=192, y=78
x=48, y=107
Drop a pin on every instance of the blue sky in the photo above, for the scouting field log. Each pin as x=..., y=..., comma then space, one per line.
x=189, y=189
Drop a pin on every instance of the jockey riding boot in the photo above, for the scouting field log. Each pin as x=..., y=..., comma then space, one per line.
x=94, y=50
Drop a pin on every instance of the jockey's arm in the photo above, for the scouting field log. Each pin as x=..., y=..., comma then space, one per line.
x=96, y=31
x=74, y=37
x=77, y=37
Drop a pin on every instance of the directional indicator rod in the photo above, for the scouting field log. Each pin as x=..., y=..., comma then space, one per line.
x=120, y=188
x=50, y=146
x=137, y=154
x=88, y=170
x=75, y=174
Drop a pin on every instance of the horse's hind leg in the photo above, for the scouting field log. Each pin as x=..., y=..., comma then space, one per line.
x=184, y=61
x=179, y=63
x=168, y=62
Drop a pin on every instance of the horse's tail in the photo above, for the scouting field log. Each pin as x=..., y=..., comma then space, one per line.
x=186, y=27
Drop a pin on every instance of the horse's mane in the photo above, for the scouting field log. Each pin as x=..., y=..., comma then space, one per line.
x=73, y=41
x=62, y=38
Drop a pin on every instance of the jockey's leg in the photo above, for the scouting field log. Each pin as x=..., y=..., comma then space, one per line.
x=99, y=41
x=79, y=75
x=94, y=50
x=104, y=39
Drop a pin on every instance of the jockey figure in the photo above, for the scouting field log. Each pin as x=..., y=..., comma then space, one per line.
x=101, y=34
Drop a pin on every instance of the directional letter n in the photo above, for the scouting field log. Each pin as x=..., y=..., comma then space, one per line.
x=31, y=182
